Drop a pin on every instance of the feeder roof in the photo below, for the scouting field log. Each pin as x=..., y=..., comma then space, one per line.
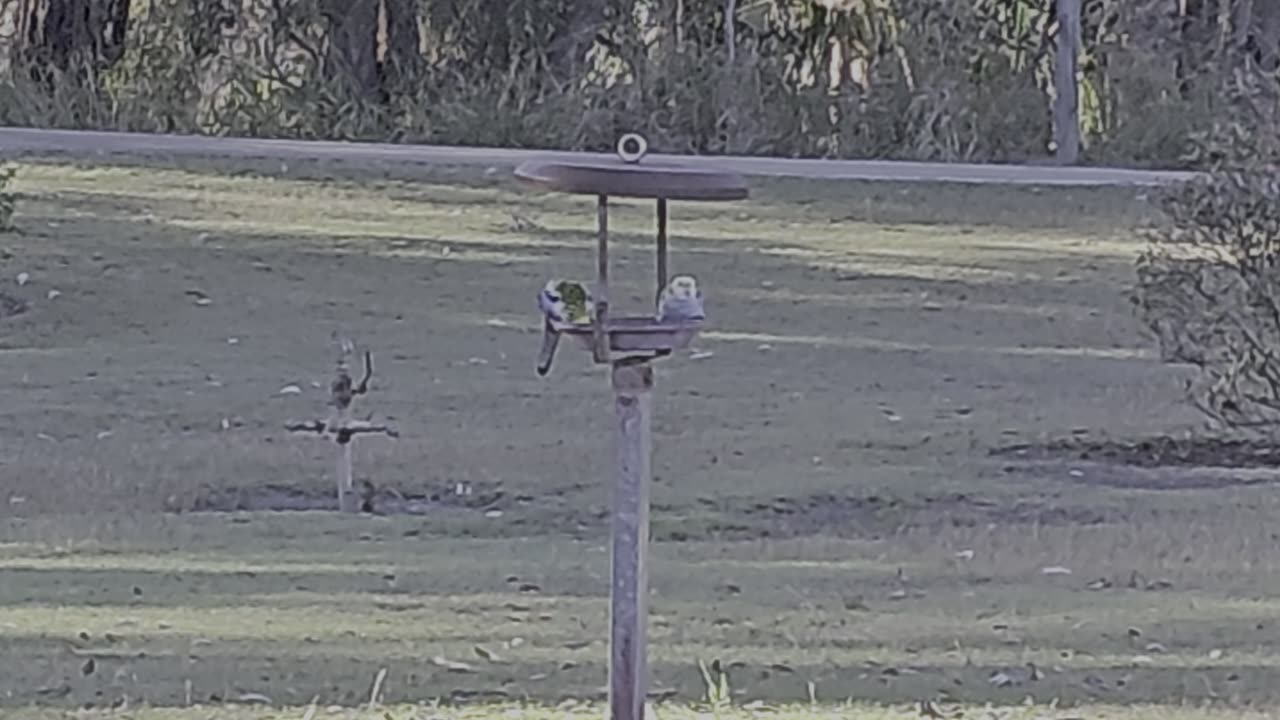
x=650, y=179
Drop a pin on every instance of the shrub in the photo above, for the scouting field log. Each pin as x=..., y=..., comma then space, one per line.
x=8, y=198
x=1209, y=279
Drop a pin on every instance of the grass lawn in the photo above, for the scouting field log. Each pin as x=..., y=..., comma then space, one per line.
x=829, y=520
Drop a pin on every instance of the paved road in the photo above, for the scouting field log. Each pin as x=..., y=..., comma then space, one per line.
x=17, y=142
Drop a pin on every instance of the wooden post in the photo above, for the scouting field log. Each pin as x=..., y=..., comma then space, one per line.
x=1066, y=104
x=344, y=429
x=662, y=247
x=628, y=600
x=347, y=500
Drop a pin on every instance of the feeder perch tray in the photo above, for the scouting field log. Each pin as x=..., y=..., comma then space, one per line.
x=635, y=334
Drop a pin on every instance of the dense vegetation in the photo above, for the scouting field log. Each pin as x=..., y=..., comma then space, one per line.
x=928, y=79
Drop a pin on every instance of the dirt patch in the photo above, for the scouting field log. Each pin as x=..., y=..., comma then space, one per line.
x=1153, y=452
x=853, y=516
x=380, y=501
x=1158, y=463
x=863, y=516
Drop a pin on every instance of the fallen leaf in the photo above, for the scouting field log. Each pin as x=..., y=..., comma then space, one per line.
x=856, y=603
x=57, y=691
x=1001, y=679
x=1094, y=682
x=452, y=665
x=487, y=654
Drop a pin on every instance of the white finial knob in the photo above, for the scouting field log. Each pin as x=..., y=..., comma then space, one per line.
x=632, y=147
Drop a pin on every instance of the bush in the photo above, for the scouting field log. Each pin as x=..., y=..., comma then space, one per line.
x=1209, y=278
x=8, y=198
x=949, y=80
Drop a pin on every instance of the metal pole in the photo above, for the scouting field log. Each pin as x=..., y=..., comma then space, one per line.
x=600, y=338
x=628, y=600
x=662, y=246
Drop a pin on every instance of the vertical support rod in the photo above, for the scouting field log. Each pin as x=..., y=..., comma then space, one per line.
x=600, y=338
x=346, y=480
x=1066, y=103
x=662, y=247
x=628, y=598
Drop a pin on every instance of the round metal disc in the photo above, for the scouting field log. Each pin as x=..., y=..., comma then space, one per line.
x=647, y=179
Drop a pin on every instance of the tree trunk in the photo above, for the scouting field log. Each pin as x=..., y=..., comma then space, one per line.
x=402, y=56
x=730, y=31
x=1197, y=30
x=1266, y=35
x=205, y=25
x=568, y=53
x=78, y=37
x=351, y=58
x=1241, y=24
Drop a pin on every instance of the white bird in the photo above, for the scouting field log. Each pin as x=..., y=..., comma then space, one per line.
x=681, y=300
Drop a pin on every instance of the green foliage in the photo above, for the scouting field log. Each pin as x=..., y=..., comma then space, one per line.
x=8, y=199
x=919, y=79
x=716, y=693
x=1209, y=279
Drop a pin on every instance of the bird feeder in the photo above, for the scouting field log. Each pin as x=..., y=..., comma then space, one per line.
x=629, y=344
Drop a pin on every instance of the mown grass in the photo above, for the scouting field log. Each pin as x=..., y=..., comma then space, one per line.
x=825, y=510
